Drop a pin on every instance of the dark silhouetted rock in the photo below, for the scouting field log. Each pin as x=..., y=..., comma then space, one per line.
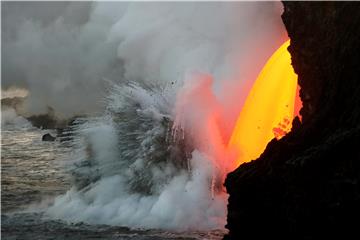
x=307, y=184
x=45, y=121
x=47, y=137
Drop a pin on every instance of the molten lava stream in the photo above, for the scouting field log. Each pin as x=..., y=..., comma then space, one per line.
x=268, y=110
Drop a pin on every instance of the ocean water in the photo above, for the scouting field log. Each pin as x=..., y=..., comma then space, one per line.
x=33, y=174
x=32, y=170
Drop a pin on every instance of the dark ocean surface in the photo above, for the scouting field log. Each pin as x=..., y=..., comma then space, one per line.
x=33, y=173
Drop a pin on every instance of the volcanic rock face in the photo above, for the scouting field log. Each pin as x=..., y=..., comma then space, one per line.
x=306, y=185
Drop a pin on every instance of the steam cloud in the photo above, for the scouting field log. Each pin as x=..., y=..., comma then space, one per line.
x=62, y=52
x=63, y=59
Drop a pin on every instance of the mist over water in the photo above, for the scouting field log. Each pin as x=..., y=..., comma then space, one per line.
x=59, y=52
x=168, y=79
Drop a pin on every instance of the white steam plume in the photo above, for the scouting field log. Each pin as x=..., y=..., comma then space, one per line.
x=62, y=52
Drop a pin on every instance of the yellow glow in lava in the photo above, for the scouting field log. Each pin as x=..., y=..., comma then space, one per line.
x=268, y=109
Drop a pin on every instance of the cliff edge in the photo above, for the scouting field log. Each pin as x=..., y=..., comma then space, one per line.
x=307, y=184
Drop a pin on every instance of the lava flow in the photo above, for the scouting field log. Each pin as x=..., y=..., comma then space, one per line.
x=269, y=108
x=267, y=113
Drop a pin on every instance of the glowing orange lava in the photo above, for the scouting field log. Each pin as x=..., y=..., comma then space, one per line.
x=268, y=110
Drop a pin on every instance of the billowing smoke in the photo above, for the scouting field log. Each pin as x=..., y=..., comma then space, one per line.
x=60, y=53
x=180, y=71
x=63, y=52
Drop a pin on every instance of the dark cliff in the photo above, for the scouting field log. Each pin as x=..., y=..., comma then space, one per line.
x=306, y=185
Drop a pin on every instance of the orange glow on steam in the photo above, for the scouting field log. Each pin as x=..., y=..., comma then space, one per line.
x=268, y=110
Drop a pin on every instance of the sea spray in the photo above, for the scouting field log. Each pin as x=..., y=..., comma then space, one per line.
x=129, y=173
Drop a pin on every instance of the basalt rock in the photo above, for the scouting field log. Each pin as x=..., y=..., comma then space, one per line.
x=307, y=184
x=48, y=138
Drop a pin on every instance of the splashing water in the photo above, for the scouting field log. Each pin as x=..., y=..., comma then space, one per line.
x=132, y=172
